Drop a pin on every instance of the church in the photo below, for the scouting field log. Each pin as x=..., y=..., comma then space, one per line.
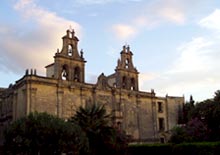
x=143, y=116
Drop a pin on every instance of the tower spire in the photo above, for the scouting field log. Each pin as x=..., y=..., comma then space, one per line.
x=69, y=64
x=127, y=74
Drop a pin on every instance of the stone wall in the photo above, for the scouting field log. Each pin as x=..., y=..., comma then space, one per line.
x=138, y=113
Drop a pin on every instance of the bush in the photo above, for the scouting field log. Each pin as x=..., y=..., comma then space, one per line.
x=143, y=149
x=41, y=133
x=204, y=148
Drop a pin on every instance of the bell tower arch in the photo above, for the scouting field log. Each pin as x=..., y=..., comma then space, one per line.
x=126, y=73
x=68, y=64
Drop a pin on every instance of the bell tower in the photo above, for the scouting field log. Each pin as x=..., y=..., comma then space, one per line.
x=69, y=64
x=126, y=73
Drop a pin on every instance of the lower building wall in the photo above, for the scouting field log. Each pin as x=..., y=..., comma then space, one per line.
x=136, y=114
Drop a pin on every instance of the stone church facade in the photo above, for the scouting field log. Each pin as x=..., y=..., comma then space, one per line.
x=142, y=115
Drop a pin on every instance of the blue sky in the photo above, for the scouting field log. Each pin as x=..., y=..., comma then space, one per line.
x=176, y=43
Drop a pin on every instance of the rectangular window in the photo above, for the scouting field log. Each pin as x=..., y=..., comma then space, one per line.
x=161, y=124
x=160, y=107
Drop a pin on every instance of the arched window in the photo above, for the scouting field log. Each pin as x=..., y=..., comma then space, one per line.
x=77, y=74
x=126, y=63
x=70, y=50
x=119, y=125
x=124, y=82
x=64, y=73
x=132, y=84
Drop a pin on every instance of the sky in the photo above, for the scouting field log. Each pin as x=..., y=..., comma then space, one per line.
x=176, y=43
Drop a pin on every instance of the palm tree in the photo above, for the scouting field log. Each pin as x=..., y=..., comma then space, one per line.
x=95, y=122
x=92, y=118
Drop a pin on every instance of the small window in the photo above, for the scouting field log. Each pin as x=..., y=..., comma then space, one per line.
x=132, y=84
x=119, y=125
x=124, y=82
x=70, y=50
x=160, y=107
x=64, y=74
x=162, y=140
x=126, y=63
x=77, y=74
x=161, y=124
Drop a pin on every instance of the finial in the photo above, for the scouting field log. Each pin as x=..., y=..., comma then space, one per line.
x=81, y=53
x=73, y=33
x=26, y=72
x=70, y=28
x=152, y=91
x=124, y=49
x=118, y=62
x=128, y=48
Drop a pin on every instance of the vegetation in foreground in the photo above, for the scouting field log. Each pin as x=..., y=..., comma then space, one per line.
x=200, y=121
x=196, y=148
x=88, y=132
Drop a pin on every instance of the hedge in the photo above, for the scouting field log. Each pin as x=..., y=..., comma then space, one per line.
x=203, y=148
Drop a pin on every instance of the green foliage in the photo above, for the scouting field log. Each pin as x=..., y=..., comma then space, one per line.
x=88, y=132
x=45, y=134
x=144, y=149
x=209, y=112
x=202, y=121
x=205, y=148
x=103, y=139
x=188, y=109
x=179, y=135
x=217, y=96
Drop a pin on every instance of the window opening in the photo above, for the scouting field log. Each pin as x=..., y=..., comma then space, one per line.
x=124, y=82
x=126, y=63
x=119, y=125
x=64, y=74
x=160, y=107
x=161, y=124
x=132, y=84
x=162, y=140
x=70, y=50
x=77, y=74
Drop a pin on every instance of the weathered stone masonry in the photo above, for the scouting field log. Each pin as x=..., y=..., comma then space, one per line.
x=142, y=115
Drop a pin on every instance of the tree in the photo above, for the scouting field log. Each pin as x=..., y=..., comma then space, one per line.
x=217, y=96
x=179, y=135
x=197, y=130
x=194, y=131
x=188, y=109
x=203, y=119
x=95, y=122
x=41, y=133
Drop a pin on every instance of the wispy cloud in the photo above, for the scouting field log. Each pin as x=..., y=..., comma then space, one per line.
x=212, y=21
x=98, y=2
x=124, y=32
x=196, y=68
x=35, y=45
x=151, y=15
x=172, y=14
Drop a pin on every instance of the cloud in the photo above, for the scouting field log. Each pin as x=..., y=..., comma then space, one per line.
x=149, y=16
x=98, y=2
x=196, y=52
x=212, y=21
x=172, y=14
x=195, y=71
x=35, y=45
x=124, y=32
